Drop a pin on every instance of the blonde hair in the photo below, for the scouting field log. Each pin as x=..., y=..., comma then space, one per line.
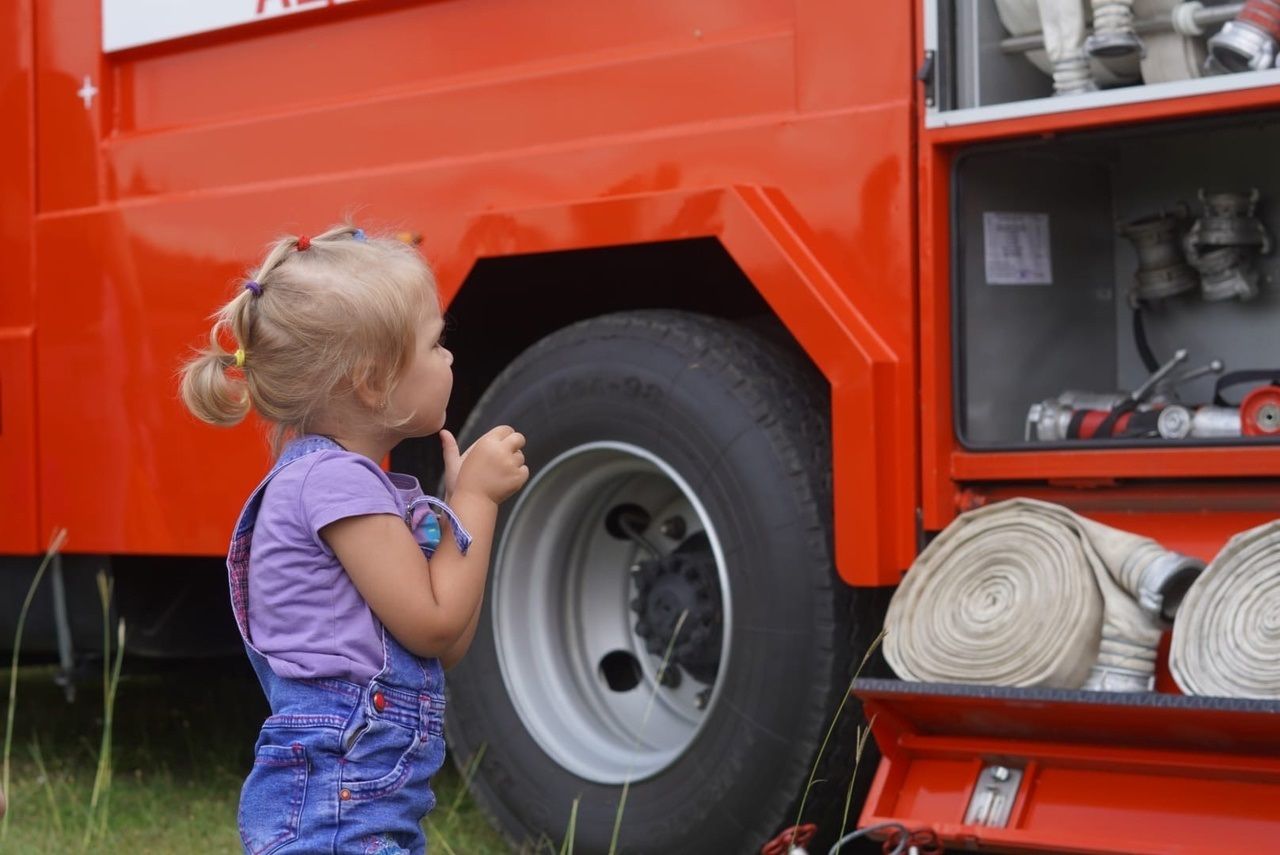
x=342, y=312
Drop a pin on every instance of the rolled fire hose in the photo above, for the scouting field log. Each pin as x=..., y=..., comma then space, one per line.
x=1026, y=593
x=1024, y=17
x=1226, y=642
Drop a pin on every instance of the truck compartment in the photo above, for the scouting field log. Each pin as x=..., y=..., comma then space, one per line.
x=1008, y=58
x=1027, y=770
x=1046, y=242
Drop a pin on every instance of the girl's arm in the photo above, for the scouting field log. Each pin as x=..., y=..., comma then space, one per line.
x=454, y=654
x=433, y=611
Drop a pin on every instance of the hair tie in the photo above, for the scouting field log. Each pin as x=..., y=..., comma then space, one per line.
x=358, y=234
x=253, y=287
x=239, y=357
x=304, y=243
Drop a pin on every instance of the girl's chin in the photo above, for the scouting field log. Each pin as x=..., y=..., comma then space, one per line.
x=432, y=427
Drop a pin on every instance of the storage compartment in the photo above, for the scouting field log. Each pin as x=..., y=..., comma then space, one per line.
x=1049, y=770
x=1002, y=58
x=1044, y=291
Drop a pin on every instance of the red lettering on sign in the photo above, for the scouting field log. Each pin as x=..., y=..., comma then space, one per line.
x=285, y=5
x=294, y=4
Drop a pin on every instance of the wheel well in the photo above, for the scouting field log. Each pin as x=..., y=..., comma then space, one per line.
x=506, y=304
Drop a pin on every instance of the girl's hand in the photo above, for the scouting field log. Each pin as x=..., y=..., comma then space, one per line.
x=452, y=463
x=493, y=467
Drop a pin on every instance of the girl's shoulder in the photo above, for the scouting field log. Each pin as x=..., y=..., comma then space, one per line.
x=332, y=483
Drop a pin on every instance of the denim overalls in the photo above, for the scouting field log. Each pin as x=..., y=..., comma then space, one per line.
x=339, y=767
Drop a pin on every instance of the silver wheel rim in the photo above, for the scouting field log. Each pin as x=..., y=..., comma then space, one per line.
x=562, y=587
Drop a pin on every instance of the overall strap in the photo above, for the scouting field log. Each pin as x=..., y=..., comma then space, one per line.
x=241, y=539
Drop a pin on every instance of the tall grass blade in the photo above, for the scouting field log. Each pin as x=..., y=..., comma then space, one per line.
x=566, y=848
x=467, y=775
x=440, y=838
x=822, y=749
x=97, y=820
x=644, y=719
x=55, y=544
x=861, y=745
x=37, y=756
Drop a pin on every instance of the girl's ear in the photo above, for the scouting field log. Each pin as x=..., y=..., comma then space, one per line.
x=368, y=391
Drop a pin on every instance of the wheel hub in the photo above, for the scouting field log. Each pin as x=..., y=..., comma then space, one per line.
x=588, y=687
x=684, y=581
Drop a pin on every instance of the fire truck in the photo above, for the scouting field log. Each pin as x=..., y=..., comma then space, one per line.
x=777, y=290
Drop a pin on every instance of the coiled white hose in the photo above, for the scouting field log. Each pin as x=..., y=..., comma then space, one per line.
x=1064, y=34
x=1027, y=593
x=1226, y=642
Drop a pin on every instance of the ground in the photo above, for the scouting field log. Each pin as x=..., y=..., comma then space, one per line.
x=183, y=735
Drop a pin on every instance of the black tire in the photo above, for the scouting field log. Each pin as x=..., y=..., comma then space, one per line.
x=747, y=422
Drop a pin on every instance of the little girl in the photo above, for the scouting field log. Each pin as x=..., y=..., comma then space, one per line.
x=352, y=589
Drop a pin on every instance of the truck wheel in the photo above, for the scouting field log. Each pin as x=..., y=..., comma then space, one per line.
x=680, y=466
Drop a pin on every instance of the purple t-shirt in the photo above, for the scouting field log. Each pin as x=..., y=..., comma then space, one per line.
x=305, y=615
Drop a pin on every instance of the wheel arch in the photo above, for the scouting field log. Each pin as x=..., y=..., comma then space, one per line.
x=530, y=271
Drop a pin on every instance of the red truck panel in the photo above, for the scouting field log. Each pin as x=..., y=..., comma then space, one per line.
x=425, y=115
x=18, y=522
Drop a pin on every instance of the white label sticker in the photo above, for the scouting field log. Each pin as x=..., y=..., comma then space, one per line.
x=1016, y=247
x=130, y=23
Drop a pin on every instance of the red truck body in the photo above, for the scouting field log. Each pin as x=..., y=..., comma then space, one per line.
x=146, y=162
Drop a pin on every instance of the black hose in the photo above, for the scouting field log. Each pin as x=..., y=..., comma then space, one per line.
x=1140, y=339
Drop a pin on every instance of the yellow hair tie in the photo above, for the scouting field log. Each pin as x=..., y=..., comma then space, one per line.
x=240, y=358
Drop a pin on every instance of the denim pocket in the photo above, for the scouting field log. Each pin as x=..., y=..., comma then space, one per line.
x=380, y=758
x=271, y=801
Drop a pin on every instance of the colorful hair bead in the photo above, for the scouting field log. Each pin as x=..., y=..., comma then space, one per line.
x=358, y=234
x=304, y=243
x=253, y=287
x=239, y=357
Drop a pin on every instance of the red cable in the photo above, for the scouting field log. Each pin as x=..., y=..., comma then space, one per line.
x=796, y=835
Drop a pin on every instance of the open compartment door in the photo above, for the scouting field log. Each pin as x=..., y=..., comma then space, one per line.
x=998, y=769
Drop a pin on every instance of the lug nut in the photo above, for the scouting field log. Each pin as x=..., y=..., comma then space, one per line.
x=673, y=528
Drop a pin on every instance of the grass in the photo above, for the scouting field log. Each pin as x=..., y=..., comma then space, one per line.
x=174, y=741
x=182, y=742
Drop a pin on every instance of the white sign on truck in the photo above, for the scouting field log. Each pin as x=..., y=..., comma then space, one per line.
x=131, y=23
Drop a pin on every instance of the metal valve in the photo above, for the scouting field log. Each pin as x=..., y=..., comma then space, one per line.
x=1164, y=389
x=1149, y=411
x=1140, y=394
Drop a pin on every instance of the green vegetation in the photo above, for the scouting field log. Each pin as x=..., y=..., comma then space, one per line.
x=182, y=743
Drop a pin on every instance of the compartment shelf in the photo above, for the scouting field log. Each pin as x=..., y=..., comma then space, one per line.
x=1224, y=94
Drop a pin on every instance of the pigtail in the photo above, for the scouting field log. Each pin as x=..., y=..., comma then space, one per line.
x=208, y=389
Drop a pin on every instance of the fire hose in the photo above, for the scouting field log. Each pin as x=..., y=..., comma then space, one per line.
x=1248, y=43
x=1226, y=642
x=1027, y=593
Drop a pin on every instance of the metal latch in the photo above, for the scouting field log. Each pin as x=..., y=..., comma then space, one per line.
x=926, y=76
x=993, y=796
